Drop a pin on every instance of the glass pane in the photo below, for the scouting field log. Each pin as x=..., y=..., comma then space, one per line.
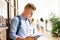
x=12, y=8
x=3, y=8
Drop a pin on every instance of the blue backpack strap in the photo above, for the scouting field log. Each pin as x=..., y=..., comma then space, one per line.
x=18, y=24
x=29, y=20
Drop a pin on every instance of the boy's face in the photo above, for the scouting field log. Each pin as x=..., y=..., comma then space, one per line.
x=28, y=12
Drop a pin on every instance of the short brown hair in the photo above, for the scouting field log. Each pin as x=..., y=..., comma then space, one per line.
x=30, y=5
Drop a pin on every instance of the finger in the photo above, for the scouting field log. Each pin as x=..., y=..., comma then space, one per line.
x=35, y=38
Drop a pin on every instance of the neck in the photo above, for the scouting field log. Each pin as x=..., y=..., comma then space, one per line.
x=24, y=15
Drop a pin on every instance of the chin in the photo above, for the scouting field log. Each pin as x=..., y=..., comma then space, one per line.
x=28, y=17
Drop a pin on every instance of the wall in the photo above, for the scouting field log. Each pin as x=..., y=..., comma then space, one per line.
x=44, y=7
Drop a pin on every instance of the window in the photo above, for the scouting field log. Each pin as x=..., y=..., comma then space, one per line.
x=3, y=8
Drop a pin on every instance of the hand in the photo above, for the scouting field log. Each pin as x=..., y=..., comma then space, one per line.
x=20, y=38
x=30, y=38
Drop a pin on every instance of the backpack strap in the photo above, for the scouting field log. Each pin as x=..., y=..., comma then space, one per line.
x=18, y=27
x=19, y=24
x=29, y=21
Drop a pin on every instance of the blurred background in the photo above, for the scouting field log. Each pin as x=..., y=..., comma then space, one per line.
x=46, y=10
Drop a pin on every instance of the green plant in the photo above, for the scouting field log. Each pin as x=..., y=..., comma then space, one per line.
x=55, y=25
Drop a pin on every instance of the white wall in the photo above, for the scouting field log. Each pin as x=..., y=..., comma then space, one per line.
x=59, y=7
x=44, y=7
